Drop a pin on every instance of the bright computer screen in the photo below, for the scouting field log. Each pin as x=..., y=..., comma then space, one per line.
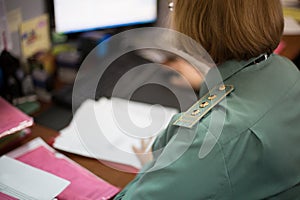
x=83, y=15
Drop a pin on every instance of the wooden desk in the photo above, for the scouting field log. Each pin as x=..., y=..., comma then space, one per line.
x=292, y=46
x=115, y=177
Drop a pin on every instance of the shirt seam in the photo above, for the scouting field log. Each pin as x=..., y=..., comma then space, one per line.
x=223, y=157
x=226, y=168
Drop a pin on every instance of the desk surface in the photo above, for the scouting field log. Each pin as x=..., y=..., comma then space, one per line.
x=115, y=177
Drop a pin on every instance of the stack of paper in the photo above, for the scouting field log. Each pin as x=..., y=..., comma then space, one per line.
x=107, y=129
x=37, y=154
x=25, y=182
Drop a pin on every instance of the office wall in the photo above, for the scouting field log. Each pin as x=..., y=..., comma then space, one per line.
x=29, y=9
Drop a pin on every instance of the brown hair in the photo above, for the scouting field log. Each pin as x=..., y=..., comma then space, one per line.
x=231, y=29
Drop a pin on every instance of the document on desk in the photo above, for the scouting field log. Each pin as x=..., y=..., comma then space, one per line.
x=28, y=183
x=83, y=184
x=108, y=128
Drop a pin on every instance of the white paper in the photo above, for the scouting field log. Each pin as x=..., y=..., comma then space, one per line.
x=14, y=19
x=5, y=37
x=25, y=182
x=291, y=26
x=100, y=129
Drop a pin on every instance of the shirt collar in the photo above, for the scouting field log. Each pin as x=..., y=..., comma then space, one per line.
x=217, y=75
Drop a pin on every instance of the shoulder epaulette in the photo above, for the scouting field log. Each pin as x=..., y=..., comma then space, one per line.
x=203, y=106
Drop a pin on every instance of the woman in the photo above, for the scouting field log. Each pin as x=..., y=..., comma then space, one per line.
x=257, y=156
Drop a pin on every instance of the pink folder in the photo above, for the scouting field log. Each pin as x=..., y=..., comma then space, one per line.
x=84, y=185
x=12, y=119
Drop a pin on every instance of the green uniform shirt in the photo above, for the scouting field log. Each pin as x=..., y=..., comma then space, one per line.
x=257, y=155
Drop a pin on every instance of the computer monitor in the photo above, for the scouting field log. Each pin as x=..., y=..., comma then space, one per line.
x=71, y=16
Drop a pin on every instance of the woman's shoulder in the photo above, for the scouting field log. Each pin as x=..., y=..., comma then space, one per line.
x=257, y=90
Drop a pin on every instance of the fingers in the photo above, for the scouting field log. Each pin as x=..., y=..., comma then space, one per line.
x=144, y=147
x=136, y=150
x=144, y=154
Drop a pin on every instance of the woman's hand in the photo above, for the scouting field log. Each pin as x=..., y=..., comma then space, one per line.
x=144, y=153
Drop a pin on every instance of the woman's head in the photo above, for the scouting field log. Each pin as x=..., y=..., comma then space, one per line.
x=231, y=29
